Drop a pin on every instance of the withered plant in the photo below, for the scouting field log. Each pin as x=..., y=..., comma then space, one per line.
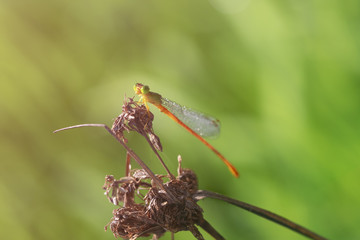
x=169, y=202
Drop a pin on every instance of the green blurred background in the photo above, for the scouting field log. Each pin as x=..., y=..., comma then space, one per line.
x=282, y=76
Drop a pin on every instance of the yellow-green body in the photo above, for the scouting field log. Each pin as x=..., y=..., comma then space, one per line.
x=146, y=95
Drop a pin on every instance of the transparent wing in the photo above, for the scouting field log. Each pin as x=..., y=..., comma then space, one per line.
x=204, y=125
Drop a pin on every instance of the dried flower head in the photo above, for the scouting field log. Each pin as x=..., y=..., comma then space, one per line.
x=135, y=117
x=158, y=212
x=130, y=223
x=174, y=216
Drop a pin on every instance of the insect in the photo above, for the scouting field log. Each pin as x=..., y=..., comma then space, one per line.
x=198, y=124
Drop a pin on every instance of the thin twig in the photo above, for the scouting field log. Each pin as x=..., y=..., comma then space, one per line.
x=201, y=194
x=128, y=164
x=158, y=156
x=210, y=229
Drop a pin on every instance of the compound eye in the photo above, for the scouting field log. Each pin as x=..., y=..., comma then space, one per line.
x=145, y=89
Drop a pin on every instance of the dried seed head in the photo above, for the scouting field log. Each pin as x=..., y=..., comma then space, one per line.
x=135, y=117
x=171, y=208
x=174, y=216
x=130, y=222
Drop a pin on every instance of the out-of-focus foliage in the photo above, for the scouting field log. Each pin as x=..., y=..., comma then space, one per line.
x=282, y=76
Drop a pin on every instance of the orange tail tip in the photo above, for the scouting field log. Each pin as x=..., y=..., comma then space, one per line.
x=232, y=169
